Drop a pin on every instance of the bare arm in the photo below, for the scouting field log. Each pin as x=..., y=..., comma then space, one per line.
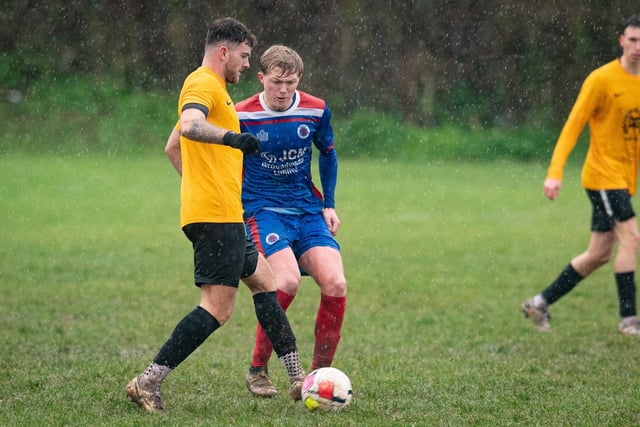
x=172, y=150
x=194, y=125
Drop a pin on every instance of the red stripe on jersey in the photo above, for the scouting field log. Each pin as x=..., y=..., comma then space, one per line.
x=295, y=119
x=316, y=192
x=310, y=101
x=255, y=234
x=249, y=104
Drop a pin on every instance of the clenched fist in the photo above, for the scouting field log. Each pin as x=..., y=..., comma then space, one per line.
x=244, y=142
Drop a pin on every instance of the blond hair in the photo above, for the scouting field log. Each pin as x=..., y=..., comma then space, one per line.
x=283, y=57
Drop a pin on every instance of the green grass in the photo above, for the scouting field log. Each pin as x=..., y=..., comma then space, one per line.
x=95, y=273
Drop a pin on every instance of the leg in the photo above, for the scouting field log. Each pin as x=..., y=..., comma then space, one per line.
x=216, y=305
x=187, y=336
x=218, y=253
x=324, y=264
x=598, y=253
x=262, y=279
x=287, y=280
x=218, y=300
x=624, y=269
x=257, y=379
x=275, y=324
x=628, y=237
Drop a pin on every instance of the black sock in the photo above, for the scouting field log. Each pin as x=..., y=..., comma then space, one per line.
x=188, y=335
x=566, y=281
x=274, y=322
x=626, y=293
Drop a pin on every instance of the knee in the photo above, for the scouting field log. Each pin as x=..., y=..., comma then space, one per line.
x=631, y=242
x=335, y=286
x=262, y=280
x=288, y=282
x=222, y=319
x=598, y=255
x=602, y=258
x=222, y=313
x=222, y=316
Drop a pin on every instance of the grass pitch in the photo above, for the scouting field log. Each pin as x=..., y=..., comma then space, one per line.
x=95, y=273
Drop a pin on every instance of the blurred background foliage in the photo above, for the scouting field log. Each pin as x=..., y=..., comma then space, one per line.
x=476, y=64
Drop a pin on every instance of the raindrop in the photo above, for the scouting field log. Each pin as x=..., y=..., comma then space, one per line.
x=14, y=96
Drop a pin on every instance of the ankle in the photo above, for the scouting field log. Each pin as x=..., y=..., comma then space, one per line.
x=629, y=320
x=540, y=302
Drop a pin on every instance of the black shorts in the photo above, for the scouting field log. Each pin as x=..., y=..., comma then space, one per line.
x=222, y=253
x=609, y=206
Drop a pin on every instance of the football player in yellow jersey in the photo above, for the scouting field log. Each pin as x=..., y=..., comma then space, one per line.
x=609, y=101
x=211, y=217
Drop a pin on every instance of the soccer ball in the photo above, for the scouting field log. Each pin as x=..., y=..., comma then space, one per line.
x=326, y=388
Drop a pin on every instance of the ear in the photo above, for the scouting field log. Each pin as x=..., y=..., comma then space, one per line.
x=222, y=52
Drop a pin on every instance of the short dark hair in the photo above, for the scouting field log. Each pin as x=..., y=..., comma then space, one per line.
x=634, y=21
x=229, y=30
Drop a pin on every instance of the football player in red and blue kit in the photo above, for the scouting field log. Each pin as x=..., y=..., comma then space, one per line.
x=291, y=221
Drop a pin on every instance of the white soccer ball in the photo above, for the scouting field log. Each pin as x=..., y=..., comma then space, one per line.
x=326, y=388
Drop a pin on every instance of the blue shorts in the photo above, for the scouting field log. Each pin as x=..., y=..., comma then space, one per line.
x=273, y=231
x=609, y=206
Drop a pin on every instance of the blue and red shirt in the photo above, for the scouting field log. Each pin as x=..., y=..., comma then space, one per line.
x=279, y=177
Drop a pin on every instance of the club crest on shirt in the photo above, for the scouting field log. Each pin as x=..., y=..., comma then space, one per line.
x=272, y=238
x=262, y=135
x=304, y=131
x=631, y=125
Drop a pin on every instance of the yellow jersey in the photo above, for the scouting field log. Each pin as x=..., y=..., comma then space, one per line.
x=211, y=183
x=610, y=101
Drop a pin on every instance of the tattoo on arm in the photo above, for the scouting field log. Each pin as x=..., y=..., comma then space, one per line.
x=204, y=132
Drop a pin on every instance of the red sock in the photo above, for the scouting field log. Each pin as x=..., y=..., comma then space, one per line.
x=263, y=348
x=328, y=327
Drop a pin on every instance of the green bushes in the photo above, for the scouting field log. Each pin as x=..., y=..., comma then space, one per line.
x=84, y=116
x=369, y=134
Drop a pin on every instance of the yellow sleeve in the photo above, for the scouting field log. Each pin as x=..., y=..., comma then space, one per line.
x=199, y=88
x=582, y=110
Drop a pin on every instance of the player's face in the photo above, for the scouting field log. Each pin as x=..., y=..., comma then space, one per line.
x=237, y=61
x=278, y=88
x=630, y=43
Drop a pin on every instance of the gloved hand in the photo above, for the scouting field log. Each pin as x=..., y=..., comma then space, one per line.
x=244, y=142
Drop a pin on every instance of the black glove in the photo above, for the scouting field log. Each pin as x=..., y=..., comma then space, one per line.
x=244, y=142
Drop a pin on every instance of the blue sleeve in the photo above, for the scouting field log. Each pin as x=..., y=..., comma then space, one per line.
x=327, y=160
x=328, y=167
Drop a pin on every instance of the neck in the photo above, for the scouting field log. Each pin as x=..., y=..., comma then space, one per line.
x=630, y=66
x=209, y=61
